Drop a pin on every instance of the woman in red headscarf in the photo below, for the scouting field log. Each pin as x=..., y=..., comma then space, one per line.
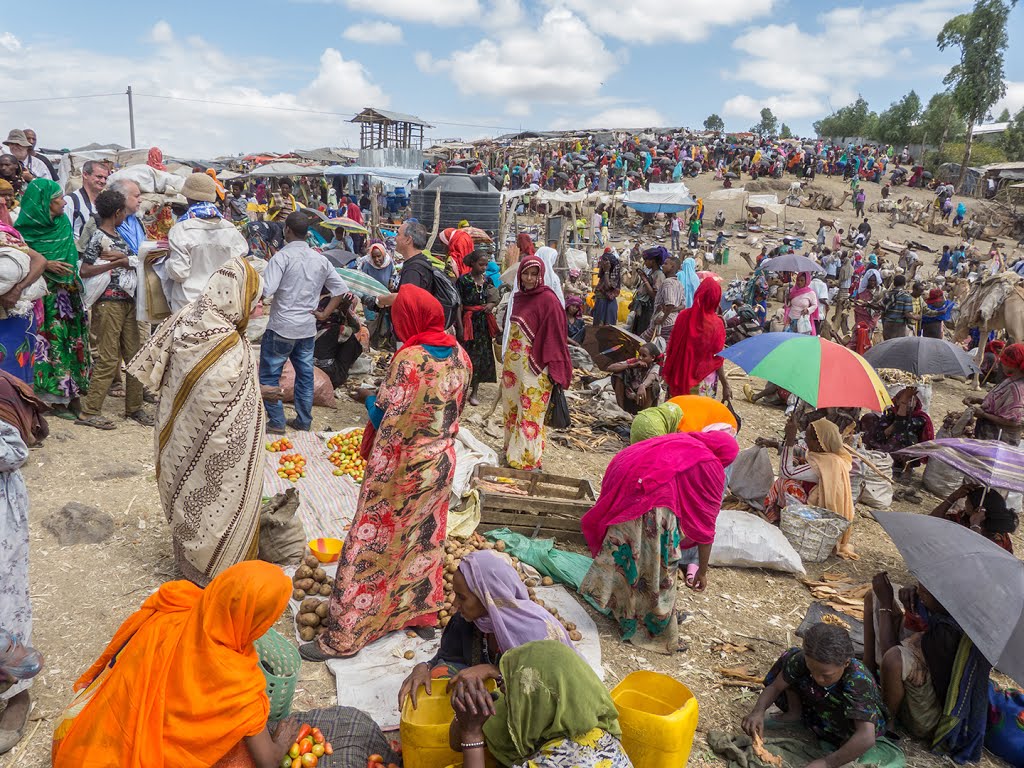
x=536, y=356
x=525, y=243
x=460, y=245
x=692, y=364
x=390, y=571
x=1000, y=415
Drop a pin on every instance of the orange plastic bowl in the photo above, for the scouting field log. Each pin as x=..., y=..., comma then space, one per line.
x=700, y=412
x=326, y=550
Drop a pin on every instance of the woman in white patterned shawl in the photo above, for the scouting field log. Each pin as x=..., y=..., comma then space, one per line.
x=210, y=424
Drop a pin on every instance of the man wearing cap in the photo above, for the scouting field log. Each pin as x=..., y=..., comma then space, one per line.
x=79, y=205
x=39, y=165
x=200, y=242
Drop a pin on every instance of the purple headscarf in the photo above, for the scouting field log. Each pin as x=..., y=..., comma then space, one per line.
x=512, y=617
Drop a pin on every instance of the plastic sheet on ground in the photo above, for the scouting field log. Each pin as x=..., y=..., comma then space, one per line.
x=371, y=679
x=565, y=567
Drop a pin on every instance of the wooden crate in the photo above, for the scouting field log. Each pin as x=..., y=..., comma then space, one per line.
x=552, y=507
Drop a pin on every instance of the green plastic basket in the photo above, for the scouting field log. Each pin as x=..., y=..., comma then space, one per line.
x=280, y=663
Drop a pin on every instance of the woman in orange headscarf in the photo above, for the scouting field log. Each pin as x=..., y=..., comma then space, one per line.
x=180, y=683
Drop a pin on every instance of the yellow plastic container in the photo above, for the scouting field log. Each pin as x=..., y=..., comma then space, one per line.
x=658, y=716
x=625, y=297
x=424, y=730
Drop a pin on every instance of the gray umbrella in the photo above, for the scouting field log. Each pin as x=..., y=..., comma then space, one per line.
x=921, y=355
x=978, y=582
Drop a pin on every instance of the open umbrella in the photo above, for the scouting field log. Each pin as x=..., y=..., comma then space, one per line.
x=820, y=372
x=607, y=344
x=979, y=583
x=791, y=262
x=349, y=225
x=730, y=175
x=362, y=283
x=992, y=463
x=921, y=355
x=339, y=257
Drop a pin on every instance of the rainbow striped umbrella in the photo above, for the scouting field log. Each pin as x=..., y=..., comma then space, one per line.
x=820, y=372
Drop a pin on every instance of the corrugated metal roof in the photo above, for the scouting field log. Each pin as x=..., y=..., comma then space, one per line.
x=372, y=114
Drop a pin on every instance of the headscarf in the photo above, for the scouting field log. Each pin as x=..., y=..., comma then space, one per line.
x=460, y=245
x=863, y=285
x=155, y=159
x=807, y=289
x=541, y=318
x=5, y=215
x=419, y=319
x=202, y=210
x=658, y=252
x=697, y=338
x=512, y=617
x=20, y=408
x=220, y=187
x=550, y=693
x=688, y=276
x=654, y=422
x=551, y=279
x=51, y=235
x=186, y=655
x=873, y=259
x=917, y=411
x=525, y=243
x=1013, y=357
x=936, y=297
x=684, y=472
x=833, y=489
x=572, y=300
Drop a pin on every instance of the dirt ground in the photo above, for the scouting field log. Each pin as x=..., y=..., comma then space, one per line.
x=81, y=593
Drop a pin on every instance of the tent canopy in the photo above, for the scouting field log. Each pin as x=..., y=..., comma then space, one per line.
x=768, y=202
x=283, y=169
x=389, y=175
x=659, y=201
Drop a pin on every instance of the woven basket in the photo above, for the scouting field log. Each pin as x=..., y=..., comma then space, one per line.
x=280, y=663
x=812, y=531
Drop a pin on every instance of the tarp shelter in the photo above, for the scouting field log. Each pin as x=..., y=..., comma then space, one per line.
x=768, y=202
x=724, y=195
x=394, y=177
x=658, y=202
x=282, y=170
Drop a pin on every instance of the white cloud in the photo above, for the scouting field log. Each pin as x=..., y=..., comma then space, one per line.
x=444, y=13
x=786, y=107
x=374, y=32
x=1013, y=100
x=9, y=42
x=184, y=68
x=562, y=61
x=626, y=117
x=653, y=21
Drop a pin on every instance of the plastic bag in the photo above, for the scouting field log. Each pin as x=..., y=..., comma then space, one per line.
x=558, y=409
x=876, y=491
x=803, y=324
x=752, y=476
x=323, y=390
x=17, y=661
x=282, y=537
x=743, y=540
x=566, y=568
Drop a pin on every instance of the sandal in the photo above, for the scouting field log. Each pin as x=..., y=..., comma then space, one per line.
x=95, y=421
x=141, y=417
x=149, y=397
x=691, y=573
x=117, y=390
x=63, y=412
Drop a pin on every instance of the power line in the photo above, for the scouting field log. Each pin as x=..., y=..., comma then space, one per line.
x=62, y=98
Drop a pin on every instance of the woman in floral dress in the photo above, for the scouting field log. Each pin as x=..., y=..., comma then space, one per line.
x=63, y=363
x=537, y=355
x=390, y=571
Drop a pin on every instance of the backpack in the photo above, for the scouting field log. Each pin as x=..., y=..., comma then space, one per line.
x=444, y=291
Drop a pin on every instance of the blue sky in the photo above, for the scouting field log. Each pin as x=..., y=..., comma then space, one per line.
x=473, y=67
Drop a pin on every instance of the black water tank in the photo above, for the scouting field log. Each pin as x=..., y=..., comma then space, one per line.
x=472, y=198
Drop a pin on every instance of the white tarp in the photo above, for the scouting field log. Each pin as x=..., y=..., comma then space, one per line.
x=656, y=202
x=283, y=170
x=562, y=197
x=737, y=193
x=677, y=187
x=768, y=202
x=389, y=174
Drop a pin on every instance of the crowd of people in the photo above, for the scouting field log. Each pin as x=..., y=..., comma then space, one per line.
x=457, y=316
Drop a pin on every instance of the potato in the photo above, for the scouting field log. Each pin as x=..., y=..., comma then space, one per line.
x=309, y=605
x=306, y=584
x=575, y=635
x=570, y=626
x=311, y=562
x=499, y=545
x=325, y=591
x=452, y=568
x=298, y=594
x=444, y=622
x=309, y=620
x=409, y=655
x=532, y=593
x=319, y=575
x=303, y=572
x=530, y=582
x=307, y=634
x=547, y=581
x=329, y=583
x=322, y=610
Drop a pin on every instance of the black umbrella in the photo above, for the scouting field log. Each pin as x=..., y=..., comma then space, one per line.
x=731, y=175
x=608, y=344
x=628, y=156
x=921, y=355
x=340, y=258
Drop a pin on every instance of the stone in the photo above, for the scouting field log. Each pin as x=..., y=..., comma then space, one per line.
x=79, y=523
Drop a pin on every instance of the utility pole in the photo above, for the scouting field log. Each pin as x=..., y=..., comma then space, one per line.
x=131, y=115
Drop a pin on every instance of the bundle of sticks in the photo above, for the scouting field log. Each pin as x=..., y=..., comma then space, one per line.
x=839, y=593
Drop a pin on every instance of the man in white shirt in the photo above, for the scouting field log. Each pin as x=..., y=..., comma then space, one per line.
x=295, y=276
x=78, y=206
x=41, y=167
x=200, y=242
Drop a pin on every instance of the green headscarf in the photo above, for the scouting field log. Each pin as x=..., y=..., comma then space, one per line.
x=550, y=693
x=655, y=422
x=51, y=236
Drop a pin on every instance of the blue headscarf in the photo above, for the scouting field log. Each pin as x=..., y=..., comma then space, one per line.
x=688, y=277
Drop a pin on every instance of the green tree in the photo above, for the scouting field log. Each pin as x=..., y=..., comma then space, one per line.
x=714, y=123
x=898, y=124
x=1012, y=140
x=769, y=124
x=977, y=81
x=848, y=122
x=941, y=121
x=785, y=132
x=1004, y=116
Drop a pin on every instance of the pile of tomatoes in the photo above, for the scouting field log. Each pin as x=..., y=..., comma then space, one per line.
x=345, y=454
x=308, y=749
x=293, y=466
x=376, y=761
x=284, y=444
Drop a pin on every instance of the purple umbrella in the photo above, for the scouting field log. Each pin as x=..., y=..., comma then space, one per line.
x=991, y=463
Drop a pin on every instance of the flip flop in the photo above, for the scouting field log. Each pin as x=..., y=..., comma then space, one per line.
x=96, y=422
x=691, y=573
x=63, y=413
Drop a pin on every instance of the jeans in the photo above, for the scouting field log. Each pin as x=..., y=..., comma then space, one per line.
x=274, y=351
x=675, y=240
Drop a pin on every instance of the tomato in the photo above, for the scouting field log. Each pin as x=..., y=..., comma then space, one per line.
x=305, y=747
x=318, y=736
x=328, y=749
x=293, y=752
x=375, y=759
x=318, y=750
x=309, y=760
x=297, y=762
x=286, y=762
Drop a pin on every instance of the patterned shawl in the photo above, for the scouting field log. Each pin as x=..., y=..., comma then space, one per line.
x=209, y=431
x=51, y=236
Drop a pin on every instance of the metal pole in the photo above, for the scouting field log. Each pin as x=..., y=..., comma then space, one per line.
x=131, y=116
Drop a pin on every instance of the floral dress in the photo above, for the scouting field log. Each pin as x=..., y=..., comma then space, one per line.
x=595, y=749
x=634, y=576
x=63, y=361
x=15, y=606
x=390, y=571
x=524, y=397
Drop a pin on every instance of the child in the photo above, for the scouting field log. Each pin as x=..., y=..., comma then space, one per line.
x=112, y=317
x=832, y=693
x=574, y=317
x=637, y=382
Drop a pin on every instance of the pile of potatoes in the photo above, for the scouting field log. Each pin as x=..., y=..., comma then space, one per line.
x=455, y=550
x=310, y=618
x=310, y=580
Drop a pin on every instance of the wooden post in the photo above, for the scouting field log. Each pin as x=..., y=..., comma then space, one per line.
x=437, y=219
